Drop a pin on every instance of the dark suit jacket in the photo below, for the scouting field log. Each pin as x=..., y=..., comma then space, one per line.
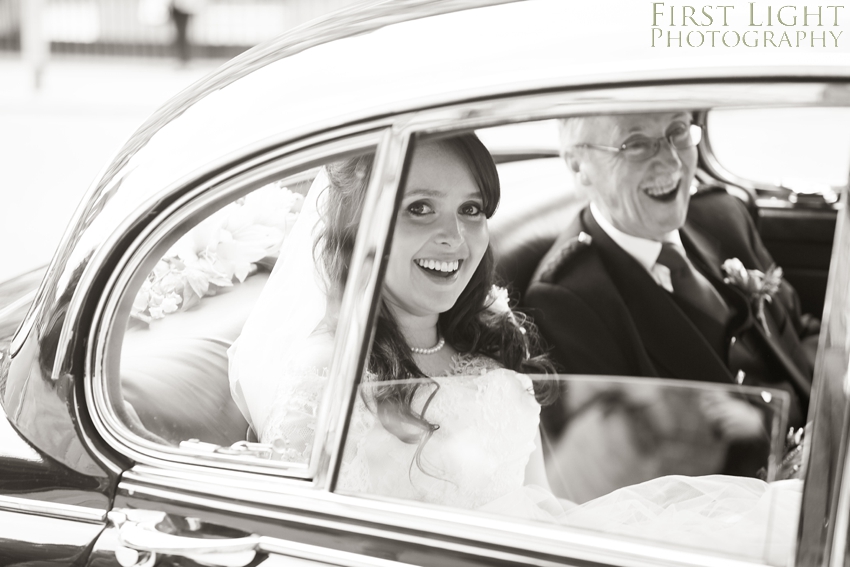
x=602, y=313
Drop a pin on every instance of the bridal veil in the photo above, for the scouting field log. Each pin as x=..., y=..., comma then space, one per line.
x=290, y=307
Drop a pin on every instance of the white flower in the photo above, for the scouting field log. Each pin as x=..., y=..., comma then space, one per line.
x=497, y=300
x=170, y=302
x=226, y=246
x=736, y=272
x=759, y=287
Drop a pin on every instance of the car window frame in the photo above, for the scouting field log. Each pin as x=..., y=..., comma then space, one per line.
x=476, y=533
x=195, y=204
x=481, y=114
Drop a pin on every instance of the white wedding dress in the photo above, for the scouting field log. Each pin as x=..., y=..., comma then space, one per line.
x=488, y=421
x=476, y=456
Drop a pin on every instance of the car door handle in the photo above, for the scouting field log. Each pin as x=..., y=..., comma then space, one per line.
x=143, y=536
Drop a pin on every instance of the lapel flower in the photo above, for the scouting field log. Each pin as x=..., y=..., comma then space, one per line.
x=759, y=287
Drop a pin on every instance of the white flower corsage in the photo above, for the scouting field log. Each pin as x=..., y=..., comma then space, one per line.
x=221, y=250
x=498, y=302
x=758, y=286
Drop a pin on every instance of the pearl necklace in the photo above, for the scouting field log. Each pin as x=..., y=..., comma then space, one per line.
x=440, y=344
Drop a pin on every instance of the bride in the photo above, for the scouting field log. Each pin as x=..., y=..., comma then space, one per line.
x=446, y=412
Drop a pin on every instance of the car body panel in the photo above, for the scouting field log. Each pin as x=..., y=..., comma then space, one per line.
x=49, y=512
x=29, y=539
x=60, y=468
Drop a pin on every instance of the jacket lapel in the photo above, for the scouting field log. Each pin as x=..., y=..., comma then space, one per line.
x=707, y=249
x=707, y=254
x=670, y=338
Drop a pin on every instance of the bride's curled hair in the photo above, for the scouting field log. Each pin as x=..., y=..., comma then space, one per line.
x=470, y=325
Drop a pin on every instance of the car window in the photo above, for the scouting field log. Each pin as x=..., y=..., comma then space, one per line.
x=547, y=384
x=186, y=383
x=806, y=150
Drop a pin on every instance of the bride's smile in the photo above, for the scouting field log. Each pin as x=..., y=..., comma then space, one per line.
x=441, y=233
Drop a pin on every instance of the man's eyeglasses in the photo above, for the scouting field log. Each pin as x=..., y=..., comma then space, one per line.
x=681, y=136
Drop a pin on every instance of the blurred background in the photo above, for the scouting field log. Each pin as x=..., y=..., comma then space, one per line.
x=77, y=77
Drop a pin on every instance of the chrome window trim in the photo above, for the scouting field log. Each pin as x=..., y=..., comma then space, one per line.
x=683, y=95
x=213, y=192
x=828, y=517
x=465, y=531
x=53, y=509
x=369, y=246
x=324, y=555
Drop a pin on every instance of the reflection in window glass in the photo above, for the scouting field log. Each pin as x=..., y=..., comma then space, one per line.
x=799, y=148
x=191, y=308
x=248, y=272
x=651, y=449
x=540, y=136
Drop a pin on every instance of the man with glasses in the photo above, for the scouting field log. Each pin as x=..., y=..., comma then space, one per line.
x=635, y=285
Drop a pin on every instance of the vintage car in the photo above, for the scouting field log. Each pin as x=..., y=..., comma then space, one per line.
x=122, y=443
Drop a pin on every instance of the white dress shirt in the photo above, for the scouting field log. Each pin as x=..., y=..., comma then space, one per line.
x=643, y=250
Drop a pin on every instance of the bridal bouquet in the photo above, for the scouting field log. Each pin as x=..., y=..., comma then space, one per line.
x=223, y=249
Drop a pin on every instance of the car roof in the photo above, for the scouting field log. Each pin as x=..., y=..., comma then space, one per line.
x=382, y=60
x=393, y=57
x=386, y=58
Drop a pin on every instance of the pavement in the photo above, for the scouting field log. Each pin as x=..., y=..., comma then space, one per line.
x=55, y=139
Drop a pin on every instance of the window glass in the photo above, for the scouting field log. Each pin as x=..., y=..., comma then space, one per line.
x=252, y=271
x=526, y=363
x=804, y=149
x=632, y=457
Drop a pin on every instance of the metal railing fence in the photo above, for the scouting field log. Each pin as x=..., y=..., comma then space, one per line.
x=217, y=28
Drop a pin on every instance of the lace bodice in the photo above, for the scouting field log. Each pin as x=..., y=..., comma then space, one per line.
x=487, y=418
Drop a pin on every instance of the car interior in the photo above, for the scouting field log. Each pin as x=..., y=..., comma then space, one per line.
x=182, y=355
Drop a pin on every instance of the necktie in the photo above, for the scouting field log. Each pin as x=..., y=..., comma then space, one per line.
x=689, y=285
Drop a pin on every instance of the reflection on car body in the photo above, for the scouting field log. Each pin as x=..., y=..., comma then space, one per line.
x=124, y=444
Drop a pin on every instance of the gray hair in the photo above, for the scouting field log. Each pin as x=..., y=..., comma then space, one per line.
x=572, y=131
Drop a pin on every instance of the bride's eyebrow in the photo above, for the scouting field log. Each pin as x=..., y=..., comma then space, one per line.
x=435, y=193
x=423, y=193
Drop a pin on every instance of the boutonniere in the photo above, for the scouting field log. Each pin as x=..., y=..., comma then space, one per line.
x=758, y=286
